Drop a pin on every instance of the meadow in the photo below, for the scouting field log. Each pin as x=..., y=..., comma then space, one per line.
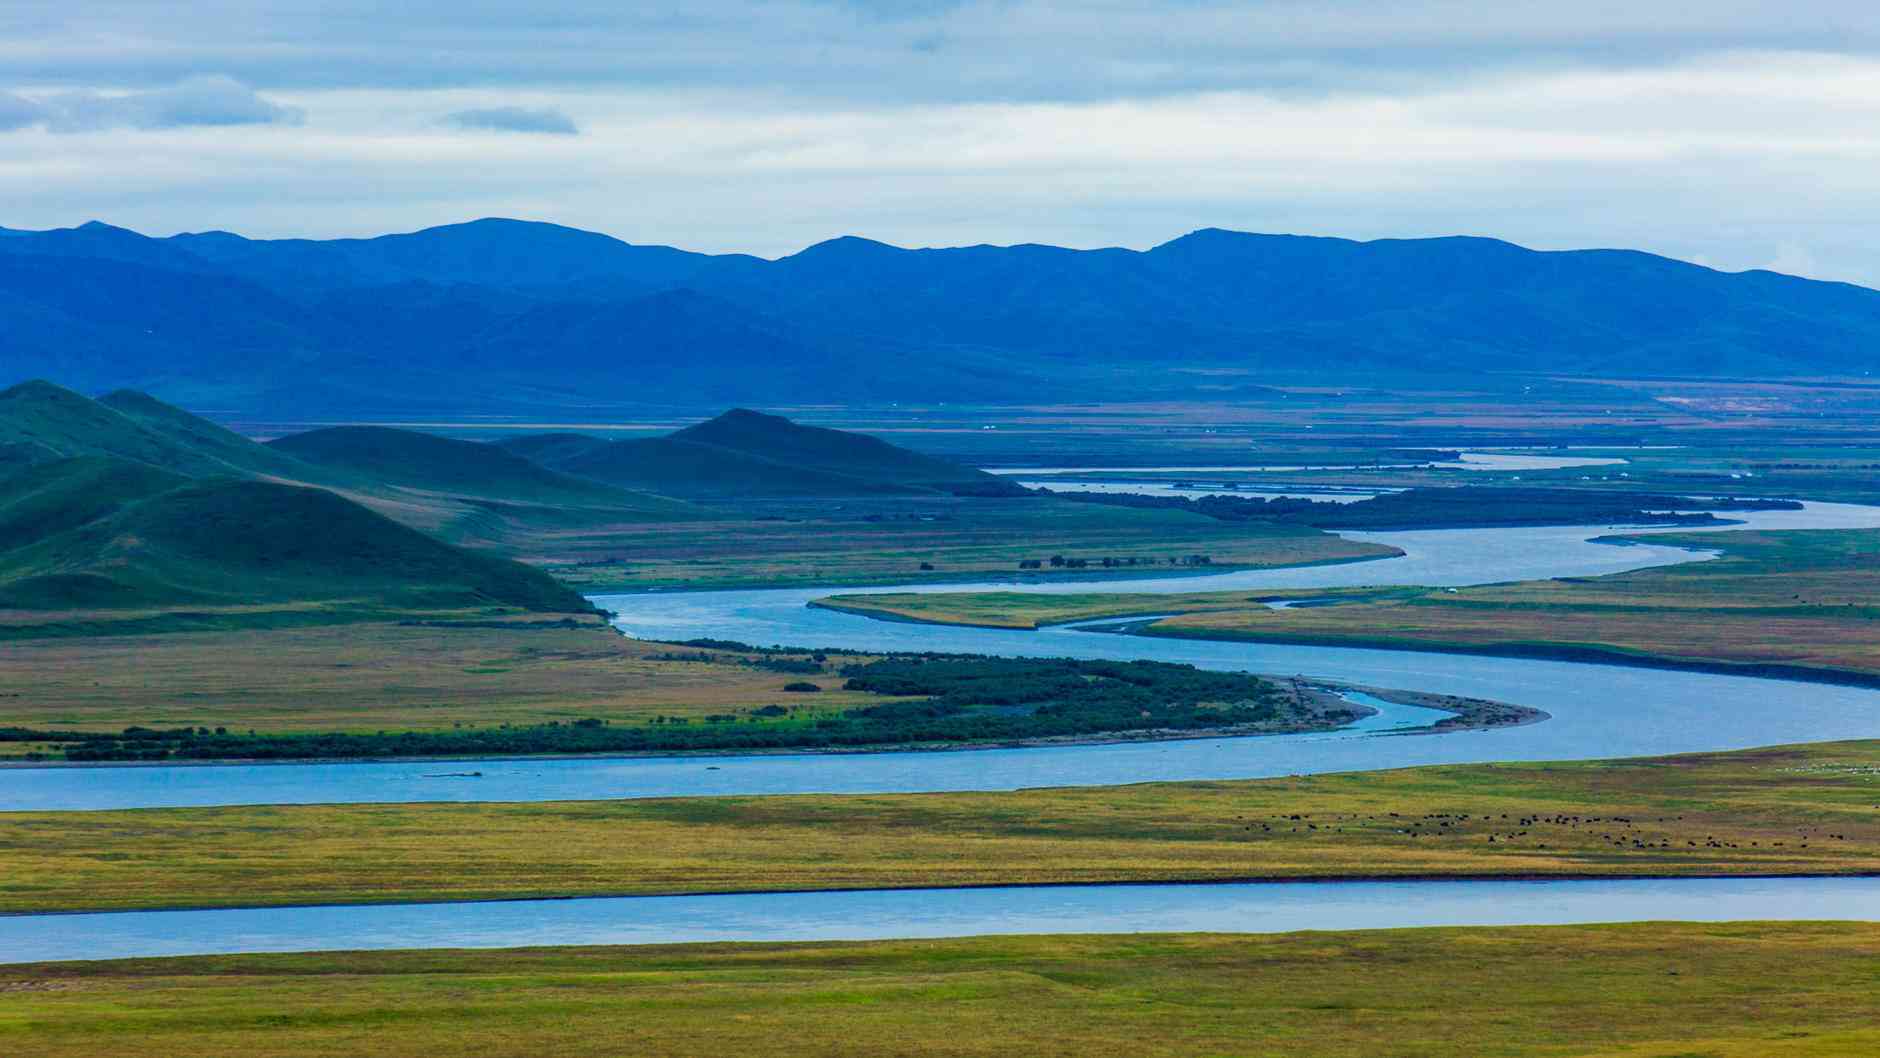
x=1647, y=990
x=368, y=677
x=1792, y=603
x=898, y=541
x=1811, y=809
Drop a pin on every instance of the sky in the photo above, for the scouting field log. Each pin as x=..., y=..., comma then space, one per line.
x=1733, y=133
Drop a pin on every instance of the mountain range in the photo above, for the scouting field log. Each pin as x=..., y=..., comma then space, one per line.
x=505, y=313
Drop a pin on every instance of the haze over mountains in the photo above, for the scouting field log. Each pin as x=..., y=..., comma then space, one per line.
x=502, y=312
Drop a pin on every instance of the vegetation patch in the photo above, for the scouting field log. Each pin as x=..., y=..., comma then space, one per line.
x=1451, y=508
x=1735, y=990
x=927, y=699
x=1781, y=811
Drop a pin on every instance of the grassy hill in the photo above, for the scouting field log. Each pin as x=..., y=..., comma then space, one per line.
x=247, y=543
x=551, y=449
x=204, y=440
x=852, y=455
x=42, y=500
x=460, y=490
x=680, y=468
x=749, y=454
x=128, y=505
x=40, y=422
x=385, y=456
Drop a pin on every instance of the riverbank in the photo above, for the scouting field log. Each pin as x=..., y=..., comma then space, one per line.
x=1328, y=703
x=1789, y=604
x=1798, y=810
x=1738, y=989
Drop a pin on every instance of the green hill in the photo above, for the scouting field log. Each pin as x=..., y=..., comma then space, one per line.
x=44, y=499
x=748, y=454
x=551, y=449
x=128, y=504
x=381, y=455
x=851, y=455
x=202, y=439
x=248, y=543
x=699, y=471
x=40, y=422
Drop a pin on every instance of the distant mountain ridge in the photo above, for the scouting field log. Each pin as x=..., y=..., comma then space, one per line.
x=496, y=311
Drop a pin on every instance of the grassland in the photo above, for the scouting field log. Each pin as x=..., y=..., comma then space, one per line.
x=887, y=541
x=368, y=677
x=1739, y=990
x=1794, y=603
x=1799, y=810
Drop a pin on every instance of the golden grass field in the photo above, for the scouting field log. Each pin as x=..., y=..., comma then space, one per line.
x=370, y=677
x=1651, y=990
x=1802, y=600
x=1811, y=809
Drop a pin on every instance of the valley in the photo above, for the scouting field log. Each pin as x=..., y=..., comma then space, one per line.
x=1201, y=529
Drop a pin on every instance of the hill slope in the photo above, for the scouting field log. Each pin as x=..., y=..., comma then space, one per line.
x=411, y=459
x=130, y=504
x=242, y=543
x=853, y=455
x=530, y=315
x=750, y=454
x=40, y=421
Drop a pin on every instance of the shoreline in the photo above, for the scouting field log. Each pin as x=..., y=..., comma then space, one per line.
x=1575, y=654
x=1138, y=624
x=1401, y=697
x=1011, y=577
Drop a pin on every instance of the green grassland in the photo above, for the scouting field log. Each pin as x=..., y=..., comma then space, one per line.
x=225, y=543
x=371, y=676
x=887, y=541
x=1650, y=990
x=859, y=511
x=1811, y=809
x=1793, y=603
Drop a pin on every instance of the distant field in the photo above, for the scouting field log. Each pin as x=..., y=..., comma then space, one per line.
x=1795, y=602
x=1794, y=810
x=887, y=541
x=372, y=676
x=1653, y=990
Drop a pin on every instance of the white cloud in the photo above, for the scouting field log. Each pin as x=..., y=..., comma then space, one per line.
x=991, y=50
x=546, y=120
x=197, y=101
x=17, y=112
x=1732, y=131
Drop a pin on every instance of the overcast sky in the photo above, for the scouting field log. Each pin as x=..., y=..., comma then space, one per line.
x=1735, y=133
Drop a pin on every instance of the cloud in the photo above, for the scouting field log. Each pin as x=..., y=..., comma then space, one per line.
x=197, y=101
x=1736, y=131
x=17, y=112
x=865, y=51
x=515, y=119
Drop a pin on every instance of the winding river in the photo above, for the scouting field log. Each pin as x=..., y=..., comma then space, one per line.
x=1597, y=710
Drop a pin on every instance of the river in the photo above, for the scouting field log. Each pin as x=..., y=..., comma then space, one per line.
x=1259, y=907
x=1597, y=710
